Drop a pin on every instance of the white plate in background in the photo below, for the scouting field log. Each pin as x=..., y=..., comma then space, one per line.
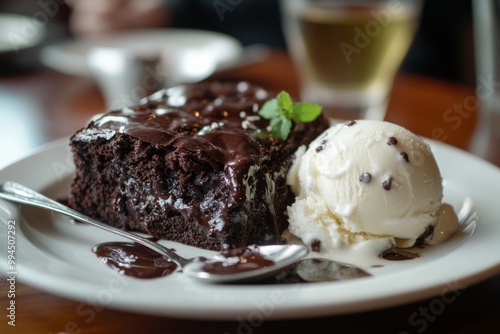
x=191, y=54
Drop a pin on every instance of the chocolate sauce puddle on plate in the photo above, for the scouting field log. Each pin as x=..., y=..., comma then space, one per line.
x=133, y=259
x=396, y=254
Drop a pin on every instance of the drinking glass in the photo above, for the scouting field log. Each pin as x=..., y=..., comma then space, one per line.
x=486, y=19
x=347, y=52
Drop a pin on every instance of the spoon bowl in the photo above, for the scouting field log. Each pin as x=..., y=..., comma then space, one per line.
x=271, y=258
x=228, y=270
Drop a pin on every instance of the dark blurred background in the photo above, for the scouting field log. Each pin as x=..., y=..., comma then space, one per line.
x=443, y=47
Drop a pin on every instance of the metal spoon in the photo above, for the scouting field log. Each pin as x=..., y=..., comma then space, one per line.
x=282, y=256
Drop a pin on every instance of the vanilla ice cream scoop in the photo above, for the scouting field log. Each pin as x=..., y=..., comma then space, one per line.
x=364, y=180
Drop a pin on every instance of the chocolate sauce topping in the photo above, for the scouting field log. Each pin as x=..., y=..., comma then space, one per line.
x=216, y=113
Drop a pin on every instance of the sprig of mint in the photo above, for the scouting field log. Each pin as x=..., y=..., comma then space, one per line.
x=281, y=112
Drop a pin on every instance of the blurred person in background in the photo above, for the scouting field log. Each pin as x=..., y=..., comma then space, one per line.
x=250, y=21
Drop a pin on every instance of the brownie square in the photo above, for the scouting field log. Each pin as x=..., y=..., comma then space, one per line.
x=192, y=163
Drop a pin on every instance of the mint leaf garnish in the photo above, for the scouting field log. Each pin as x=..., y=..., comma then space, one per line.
x=281, y=112
x=269, y=109
x=280, y=127
x=305, y=112
x=285, y=104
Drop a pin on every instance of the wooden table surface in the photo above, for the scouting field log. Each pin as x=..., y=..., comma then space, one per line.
x=39, y=107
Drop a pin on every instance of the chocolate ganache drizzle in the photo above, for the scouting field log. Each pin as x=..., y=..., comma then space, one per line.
x=218, y=124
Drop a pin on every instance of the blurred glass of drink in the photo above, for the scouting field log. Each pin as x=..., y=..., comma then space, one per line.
x=348, y=52
x=486, y=19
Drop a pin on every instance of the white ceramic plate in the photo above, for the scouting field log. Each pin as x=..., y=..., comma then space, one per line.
x=55, y=255
x=185, y=51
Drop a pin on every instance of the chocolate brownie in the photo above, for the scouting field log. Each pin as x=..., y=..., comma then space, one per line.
x=192, y=163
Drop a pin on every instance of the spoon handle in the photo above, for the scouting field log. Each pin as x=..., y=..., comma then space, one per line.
x=18, y=193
